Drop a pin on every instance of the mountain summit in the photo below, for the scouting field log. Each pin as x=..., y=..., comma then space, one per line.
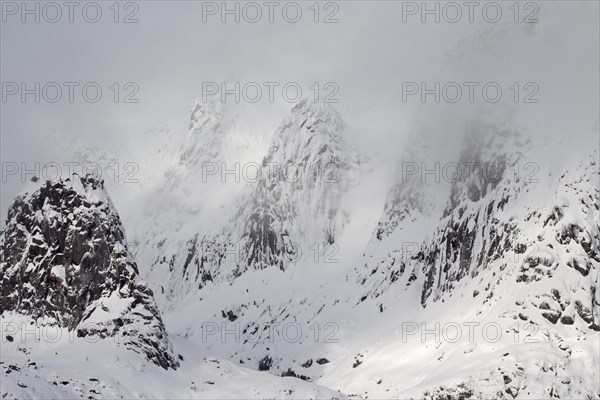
x=64, y=258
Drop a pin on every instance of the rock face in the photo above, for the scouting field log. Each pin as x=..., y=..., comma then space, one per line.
x=64, y=257
x=297, y=199
x=291, y=203
x=500, y=216
x=493, y=239
x=488, y=223
x=472, y=235
x=512, y=239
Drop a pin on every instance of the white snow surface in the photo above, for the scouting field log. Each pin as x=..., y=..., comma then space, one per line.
x=396, y=285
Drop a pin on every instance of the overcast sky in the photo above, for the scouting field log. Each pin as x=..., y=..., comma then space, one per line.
x=367, y=54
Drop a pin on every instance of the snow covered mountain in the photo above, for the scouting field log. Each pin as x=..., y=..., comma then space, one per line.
x=384, y=200
x=452, y=242
x=508, y=247
x=72, y=301
x=290, y=202
x=475, y=276
x=65, y=261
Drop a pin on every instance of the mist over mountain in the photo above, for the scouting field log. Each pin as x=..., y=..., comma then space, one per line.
x=422, y=221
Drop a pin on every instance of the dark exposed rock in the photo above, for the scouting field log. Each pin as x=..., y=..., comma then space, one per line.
x=470, y=238
x=523, y=317
x=544, y=306
x=265, y=364
x=582, y=267
x=567, y=320
x=229, y=315
x=513, y=391
x=551, y=316
x=290, y=372
x=584, y=312
x=64, y=256
x=458, y=392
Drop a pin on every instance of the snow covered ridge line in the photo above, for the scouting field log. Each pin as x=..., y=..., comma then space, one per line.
x=112, y=171
x=270, y=172
x=65, y=262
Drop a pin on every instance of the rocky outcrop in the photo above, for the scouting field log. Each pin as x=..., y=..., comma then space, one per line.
x=64, y=257
x=297, y=200
x=500, y=217
x=291, y=205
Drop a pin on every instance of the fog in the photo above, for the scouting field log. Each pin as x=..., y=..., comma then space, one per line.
x=165, y=60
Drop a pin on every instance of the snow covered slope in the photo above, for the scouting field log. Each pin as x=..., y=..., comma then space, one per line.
x=60, y=365
x=78, y=322
x=473, y=277
x=465, y=224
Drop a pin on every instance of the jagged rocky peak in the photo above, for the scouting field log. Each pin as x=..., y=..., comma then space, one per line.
x=64, y=259
x=307, y=155
x=297, y=201
x=476, y=232
x=488, y=156
x=206, y=133
x=293, y=202
x=204, y=114
x=310, y=135
x=438, y=170
x=504, y=225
